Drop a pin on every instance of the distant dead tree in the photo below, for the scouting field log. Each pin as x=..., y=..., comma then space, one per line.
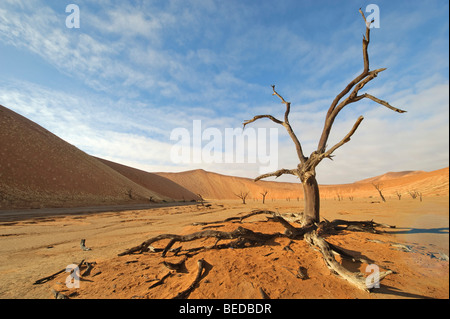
x=130, y=193
x=399, y=195
x=420, y=195
x=413, y=194
x=378, y=188
x=264, y=194
x=201, y=200
x=242, y=195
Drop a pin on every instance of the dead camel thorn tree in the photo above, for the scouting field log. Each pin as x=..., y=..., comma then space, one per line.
x=311, y=229
x=264, y=194
x=242, y=195
x=378, y=188
x=305, y=170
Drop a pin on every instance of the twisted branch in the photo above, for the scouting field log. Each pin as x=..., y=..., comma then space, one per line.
x=356, y=84
x=285, y=123
x=345, y=139
x=277, y=173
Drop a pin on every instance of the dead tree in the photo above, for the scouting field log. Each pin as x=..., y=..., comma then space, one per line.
x=264, y=194
x=306, y=169
x=201, y=200
x=399, y=195
x=420, y=195
x=414, y=194
x=242, y=195
x=378, y=188
x=312, y=229
x=130, y=193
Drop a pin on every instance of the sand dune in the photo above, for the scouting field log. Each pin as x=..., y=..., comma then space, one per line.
x=389, y=175
x=217, y=186
x=38, y=169
x=153, y=182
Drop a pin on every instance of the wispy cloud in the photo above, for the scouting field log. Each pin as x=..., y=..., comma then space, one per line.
x=141, y=70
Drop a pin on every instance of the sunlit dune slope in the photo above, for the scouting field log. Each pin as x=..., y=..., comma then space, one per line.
x=217, y=186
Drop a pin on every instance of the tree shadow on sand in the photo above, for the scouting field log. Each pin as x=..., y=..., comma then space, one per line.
x=409, y=230
x=388, y=290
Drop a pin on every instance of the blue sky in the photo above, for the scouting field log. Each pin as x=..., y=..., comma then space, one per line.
x=134, y=71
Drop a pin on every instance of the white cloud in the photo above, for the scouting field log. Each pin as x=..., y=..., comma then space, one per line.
x=158, y=66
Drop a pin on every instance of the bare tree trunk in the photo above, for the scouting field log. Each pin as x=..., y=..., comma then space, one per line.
x=378, y=188
x=264, y=194
x=312, y=200
x=242, y=195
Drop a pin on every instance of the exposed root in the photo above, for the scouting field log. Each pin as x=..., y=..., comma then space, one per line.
x=52, y=276
x=185, y=293
x=160, y=281
x=239, y=233
x=316, y=241
x=244, y=237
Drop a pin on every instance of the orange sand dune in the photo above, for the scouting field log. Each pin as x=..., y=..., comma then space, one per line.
x=216, y=186
x=389, y=175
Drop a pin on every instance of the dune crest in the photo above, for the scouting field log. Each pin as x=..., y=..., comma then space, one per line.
x=217, y=186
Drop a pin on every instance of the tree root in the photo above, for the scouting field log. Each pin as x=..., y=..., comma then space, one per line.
x=52, y=276
x=316, y=241
x=185, y=293
x=244, y=237
x=240, y=233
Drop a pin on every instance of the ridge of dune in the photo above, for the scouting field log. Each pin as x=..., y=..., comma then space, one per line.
x=390, y=175
x=216, y=186
x=151, y=181
x=39, y=169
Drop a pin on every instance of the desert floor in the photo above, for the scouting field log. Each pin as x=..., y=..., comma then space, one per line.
x=38, y=243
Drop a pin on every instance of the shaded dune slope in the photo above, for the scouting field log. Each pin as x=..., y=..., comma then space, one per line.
x=153, y=182
x=39, y=169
